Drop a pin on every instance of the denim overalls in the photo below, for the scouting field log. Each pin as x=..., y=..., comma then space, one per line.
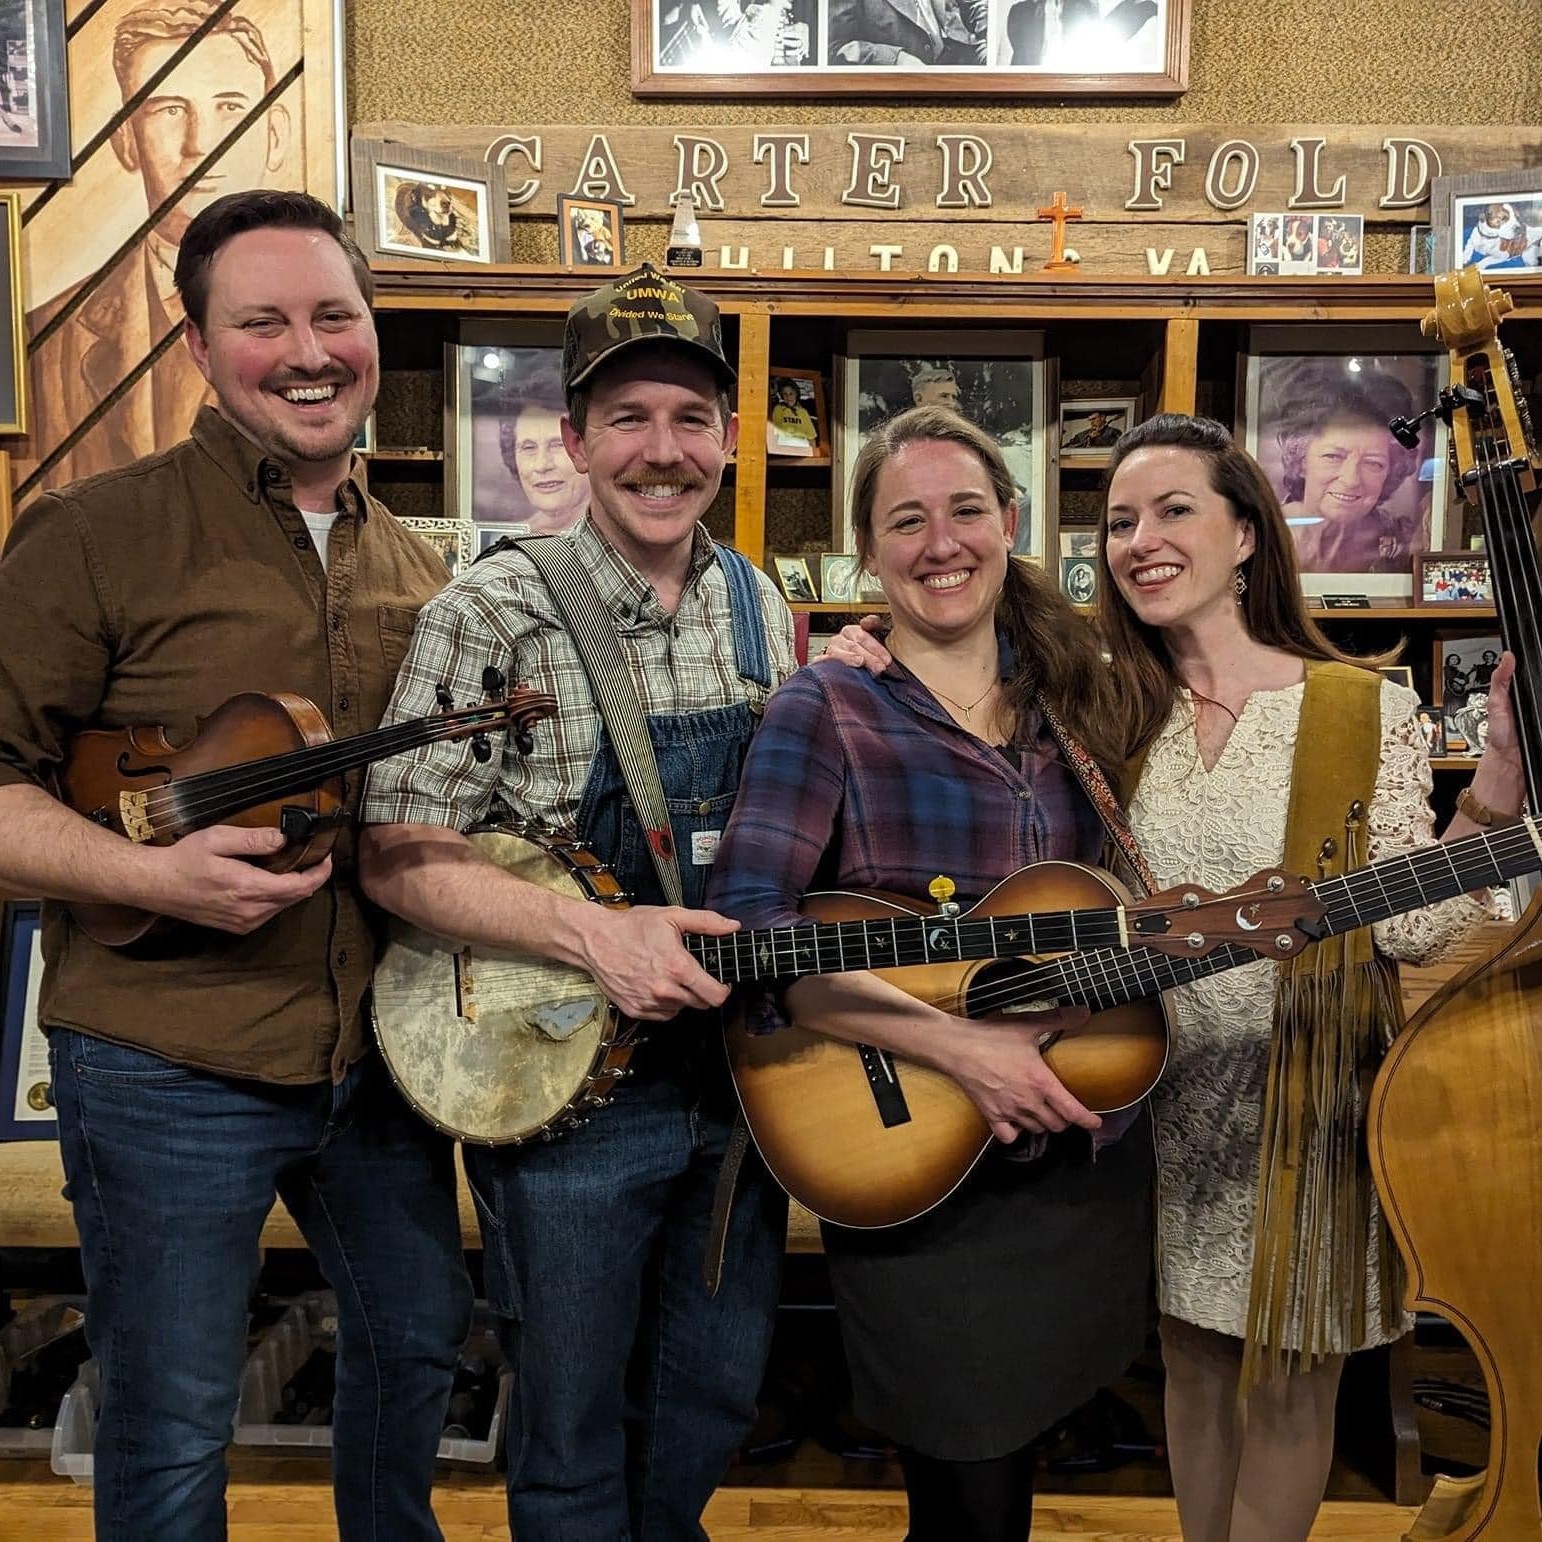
x=633, y=1386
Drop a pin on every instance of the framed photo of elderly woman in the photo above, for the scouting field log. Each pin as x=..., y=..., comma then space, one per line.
x=998, y=380
x=1316, y=405
x=505, y=463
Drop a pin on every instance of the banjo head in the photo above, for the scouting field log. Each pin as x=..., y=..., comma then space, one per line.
x=491, y=1046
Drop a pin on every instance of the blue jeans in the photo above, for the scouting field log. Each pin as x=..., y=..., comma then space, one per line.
x=633, y=1386
x=171, y=1172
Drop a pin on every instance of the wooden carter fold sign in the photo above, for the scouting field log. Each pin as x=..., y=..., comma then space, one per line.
x=960, y=197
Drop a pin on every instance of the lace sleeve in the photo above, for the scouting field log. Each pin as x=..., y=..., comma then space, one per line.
x=1402, y=819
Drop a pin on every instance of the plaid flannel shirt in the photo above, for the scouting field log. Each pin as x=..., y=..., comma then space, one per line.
x=499, y=612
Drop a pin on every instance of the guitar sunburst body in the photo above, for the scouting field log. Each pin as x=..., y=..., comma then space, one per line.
x=862, y=1151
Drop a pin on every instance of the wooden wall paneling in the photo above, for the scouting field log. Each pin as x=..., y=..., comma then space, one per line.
x=754, y=404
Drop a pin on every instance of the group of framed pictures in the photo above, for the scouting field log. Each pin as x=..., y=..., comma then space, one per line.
x=1368, y=513
x=1455, y=719
x=1286, y=245
x=412, y=202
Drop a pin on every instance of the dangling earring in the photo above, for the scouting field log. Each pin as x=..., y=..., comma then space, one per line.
x=1239, y=584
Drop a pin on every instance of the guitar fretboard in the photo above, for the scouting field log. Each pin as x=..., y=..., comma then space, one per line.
x=833, y=947
x=1109, y=978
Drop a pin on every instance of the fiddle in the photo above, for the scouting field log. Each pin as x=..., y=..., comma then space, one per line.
x=1454, y=1123
x=259, y=761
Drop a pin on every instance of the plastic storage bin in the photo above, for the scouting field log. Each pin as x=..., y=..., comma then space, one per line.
x=40, y=1325
x=74, y=1431
x=311, y=1324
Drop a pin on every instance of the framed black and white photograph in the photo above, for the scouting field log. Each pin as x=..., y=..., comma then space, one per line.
x=591, y=233
x=1451, y=579
x=426, y=203
x=13, y=347
x=897, y=48
x=1462, y=671
x=841, y=577
x=1316, y=403
x=796, y=421
x=34, y=92
x=996, y=379
x=505, y=463
x=453, y=539
x=1090, y=426
x=1491, y=220
x=797, y=582
x=26, y=1111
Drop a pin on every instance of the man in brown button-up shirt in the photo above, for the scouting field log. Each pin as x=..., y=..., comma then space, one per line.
x=224, y=1059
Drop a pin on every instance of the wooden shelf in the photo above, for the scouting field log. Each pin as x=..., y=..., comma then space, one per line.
x=1453, y=762
x=782, y=462
x=838, y=607
x=404, y=456
x=1434, y=613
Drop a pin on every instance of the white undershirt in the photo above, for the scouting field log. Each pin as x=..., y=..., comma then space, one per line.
x=320, y=527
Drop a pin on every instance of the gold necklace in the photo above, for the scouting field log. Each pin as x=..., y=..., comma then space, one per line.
x=966, y=710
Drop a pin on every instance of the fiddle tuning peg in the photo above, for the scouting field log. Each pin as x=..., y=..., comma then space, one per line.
x=523, y=741
x=443, y=697
x=494, y=682
x=481, y=749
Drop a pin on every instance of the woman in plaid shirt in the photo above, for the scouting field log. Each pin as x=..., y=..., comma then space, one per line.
x=973, y=1328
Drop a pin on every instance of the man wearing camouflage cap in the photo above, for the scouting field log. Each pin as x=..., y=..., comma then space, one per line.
x=634, y=1383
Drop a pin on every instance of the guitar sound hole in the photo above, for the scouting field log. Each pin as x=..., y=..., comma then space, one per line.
x=1001, y=987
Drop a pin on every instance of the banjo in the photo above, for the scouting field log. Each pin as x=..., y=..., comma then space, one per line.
x=503, y=1047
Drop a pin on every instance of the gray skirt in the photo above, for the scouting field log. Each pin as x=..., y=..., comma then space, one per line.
x=974, y=1328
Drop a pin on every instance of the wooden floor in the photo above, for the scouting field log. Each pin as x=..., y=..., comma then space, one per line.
x=289, y=1501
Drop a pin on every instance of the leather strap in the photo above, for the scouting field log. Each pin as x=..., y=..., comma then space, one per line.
x=1101, y=796
x=615, y=695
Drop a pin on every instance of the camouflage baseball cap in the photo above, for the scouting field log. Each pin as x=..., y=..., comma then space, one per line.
x=644, y=307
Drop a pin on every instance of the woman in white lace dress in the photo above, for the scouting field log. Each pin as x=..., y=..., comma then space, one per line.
x=1214, y=650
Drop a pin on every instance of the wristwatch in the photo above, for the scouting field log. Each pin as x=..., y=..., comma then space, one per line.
x=1480, y=813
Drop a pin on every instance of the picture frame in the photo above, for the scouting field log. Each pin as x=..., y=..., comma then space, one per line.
x=841, y=578
x=1463, y=233
x=364, y=440
x=504, y=460
x=1091, y=425
x=1461, y=669
x=1290, y=244
x=1314, y=402
x=997, y=379
x=1432, y=728
x=591, y=232
x=411, y=203
x=1421, y=249
x=452, y=539
x=35, y=107
x=1453, y=580
x=836, y=48
x=14, y=416
x=26, y=1112
x=1399, y=674
x=797, y=582
x=797, y=424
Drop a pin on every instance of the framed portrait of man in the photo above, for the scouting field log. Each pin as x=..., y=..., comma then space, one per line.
x=998, y=380
x=171, y=107
x=505, y=462
x=1359, y=502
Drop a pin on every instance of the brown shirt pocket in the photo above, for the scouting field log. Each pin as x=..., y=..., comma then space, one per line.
x=396, y=623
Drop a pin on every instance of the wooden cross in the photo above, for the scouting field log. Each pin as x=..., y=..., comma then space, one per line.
x=1059, y=213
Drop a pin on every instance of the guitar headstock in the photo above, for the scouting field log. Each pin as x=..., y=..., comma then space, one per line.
x=1490, y=421
x=1274, y=914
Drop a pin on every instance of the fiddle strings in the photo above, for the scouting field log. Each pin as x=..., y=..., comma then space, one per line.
x=195, y=797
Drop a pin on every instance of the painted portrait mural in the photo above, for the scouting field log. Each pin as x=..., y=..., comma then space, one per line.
x=173, y=105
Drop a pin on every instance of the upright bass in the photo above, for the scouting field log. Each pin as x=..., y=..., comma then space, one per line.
x=1455, y=1119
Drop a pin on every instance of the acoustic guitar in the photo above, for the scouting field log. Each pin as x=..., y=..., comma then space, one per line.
x=866, y=1139
x=500, y=1048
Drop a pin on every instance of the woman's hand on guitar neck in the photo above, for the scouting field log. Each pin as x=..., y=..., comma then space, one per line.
x=998, y=1064
x=639, y=960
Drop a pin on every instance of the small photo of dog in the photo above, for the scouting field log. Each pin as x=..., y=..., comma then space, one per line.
x=446, y=217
